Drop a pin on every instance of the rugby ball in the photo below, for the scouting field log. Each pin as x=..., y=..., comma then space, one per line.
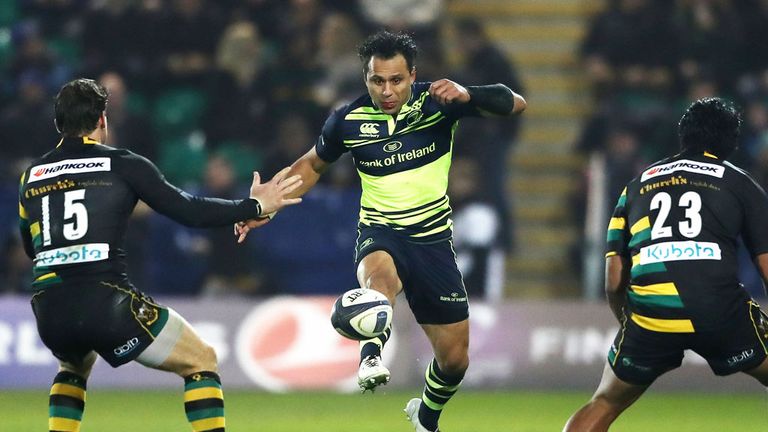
x=361, y=314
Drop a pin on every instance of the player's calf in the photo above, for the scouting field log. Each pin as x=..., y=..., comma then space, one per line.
x=66, y=402
x=204, y=402
x=438, y=390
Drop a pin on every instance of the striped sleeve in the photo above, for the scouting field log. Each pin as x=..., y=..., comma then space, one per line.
x=618, y=231
x=24, y=227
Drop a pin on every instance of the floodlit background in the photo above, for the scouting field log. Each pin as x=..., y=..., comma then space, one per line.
x=213, y=89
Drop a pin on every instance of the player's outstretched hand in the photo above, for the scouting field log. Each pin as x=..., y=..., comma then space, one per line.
x=445, y=92
x=242, y=228
x=273, y=194
x=272, y=197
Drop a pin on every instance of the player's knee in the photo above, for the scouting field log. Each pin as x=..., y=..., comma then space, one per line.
x=209, y=360
x=760, y=373
x=82, y=368
x=384, y=282
x=762, y=378
x=611, y=405
x=203, y=359
x=455, y=364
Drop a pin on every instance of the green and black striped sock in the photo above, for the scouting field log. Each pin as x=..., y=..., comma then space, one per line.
x=204, y=402
x=66, y=403
x=439, y=389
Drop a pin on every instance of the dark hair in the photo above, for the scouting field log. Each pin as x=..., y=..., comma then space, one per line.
x=79, y=105
x=712, y=125
x=386, y=45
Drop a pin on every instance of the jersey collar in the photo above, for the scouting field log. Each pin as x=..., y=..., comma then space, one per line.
x=76, y=141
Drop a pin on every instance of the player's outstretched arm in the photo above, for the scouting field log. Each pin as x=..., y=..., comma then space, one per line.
x=494, y=99
x=616, y=282
x=273, y=195
x=308, y=168
x=191, y=210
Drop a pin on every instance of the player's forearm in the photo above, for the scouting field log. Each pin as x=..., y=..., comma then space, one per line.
x=26, y=239
x=617, y=301
x=310, y=170
x=616, y=284
x=496, y=99
x=201, y=212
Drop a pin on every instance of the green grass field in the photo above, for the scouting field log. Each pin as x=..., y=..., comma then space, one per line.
x=107, y=411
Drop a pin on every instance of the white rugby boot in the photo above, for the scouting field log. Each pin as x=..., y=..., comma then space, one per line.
x=412, y=412
x=372, y=374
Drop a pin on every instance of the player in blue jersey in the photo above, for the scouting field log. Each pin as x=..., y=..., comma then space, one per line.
x=400, y=135
x=671, y=267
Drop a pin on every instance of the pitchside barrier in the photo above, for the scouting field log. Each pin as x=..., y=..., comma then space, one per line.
x=287, y=343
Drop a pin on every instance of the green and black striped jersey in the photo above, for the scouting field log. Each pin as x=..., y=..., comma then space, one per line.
x=679, y=223
x=403, y=162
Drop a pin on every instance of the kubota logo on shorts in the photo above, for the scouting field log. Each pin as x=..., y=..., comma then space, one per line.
x=288, y=343
x=370, y=130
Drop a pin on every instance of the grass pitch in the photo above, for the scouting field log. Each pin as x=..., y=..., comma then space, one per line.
x=155, y=411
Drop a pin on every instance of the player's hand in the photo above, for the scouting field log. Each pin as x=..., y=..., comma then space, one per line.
x=445, y=92
x=242, y=228
x=273, y=195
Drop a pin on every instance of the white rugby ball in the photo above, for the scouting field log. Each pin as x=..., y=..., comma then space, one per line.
x=361, y=314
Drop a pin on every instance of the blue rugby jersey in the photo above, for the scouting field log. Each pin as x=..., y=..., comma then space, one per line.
x=403, y=162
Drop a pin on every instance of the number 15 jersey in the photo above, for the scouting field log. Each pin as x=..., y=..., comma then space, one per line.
x=679, y=224
x=74, y=204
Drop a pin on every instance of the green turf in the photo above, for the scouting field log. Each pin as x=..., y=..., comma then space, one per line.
x=156, y=411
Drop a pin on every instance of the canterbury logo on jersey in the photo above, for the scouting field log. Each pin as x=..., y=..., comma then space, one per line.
x=69, y=166
x=684, y=165
x=369, y=130
x=679, y=251
x=76, y=254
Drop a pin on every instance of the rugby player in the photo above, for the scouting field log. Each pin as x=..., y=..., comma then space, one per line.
x=671, y=269
x=74, y=204
x=400, y=135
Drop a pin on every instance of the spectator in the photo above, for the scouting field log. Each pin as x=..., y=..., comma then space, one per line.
x=126, y=127
x=187, y=39
x=336, y=56
x=399, y=15
x=489, y=141
x=106, y=47
x=291, y=136
x=229, y=265
x=238, y=104
x=631, y=45
x=710, y=40
x=20, y=129
x=476, y=226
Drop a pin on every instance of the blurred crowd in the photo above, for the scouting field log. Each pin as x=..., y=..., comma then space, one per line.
x=647, y=60
x=213, y=89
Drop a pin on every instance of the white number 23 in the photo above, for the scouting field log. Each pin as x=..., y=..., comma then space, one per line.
x=690, y=227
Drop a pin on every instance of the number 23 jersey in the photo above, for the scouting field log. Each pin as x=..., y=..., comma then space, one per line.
x=679, y=223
